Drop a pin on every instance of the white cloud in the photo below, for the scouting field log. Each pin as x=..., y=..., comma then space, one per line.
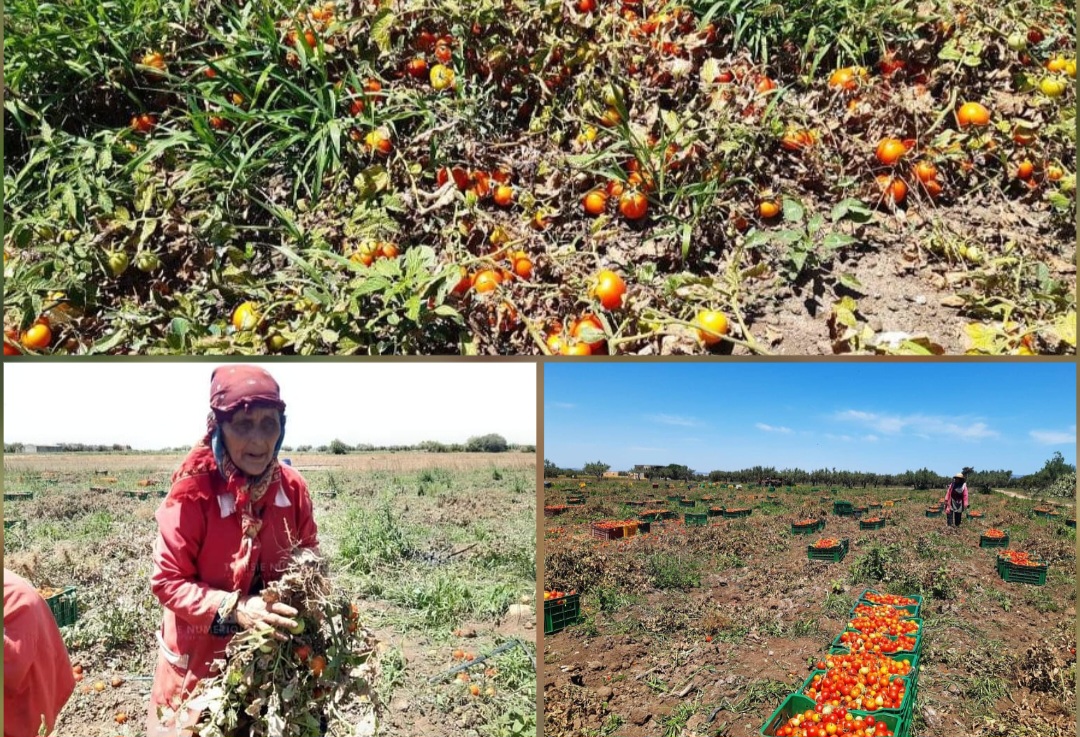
x=771, y=428
x=674, y=420
x=562, y=405
x=1054, y=437
x=919, y=425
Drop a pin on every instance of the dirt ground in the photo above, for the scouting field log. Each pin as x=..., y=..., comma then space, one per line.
x=629, y=680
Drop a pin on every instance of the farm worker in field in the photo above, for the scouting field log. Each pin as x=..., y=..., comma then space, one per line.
x=229, y=525
x=956, y=500
x=37, y=672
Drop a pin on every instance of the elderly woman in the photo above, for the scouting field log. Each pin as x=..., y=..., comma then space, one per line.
x=231, y=521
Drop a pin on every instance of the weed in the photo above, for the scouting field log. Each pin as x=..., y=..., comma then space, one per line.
x=392, y=674
x=943, y=584
x=496, y=474
x=674, y=723
x=371, y=539
x=671, y=571
x=986, y=691
x=836, y=604
x=1041, y=601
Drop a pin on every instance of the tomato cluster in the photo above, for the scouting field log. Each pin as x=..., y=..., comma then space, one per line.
x=556, y=508
x=862, y=681
x=556, y=594
x=825, y=721
x=739, y=509
x=827, y=543
x=890, y=599
x=615, y=524
x=885, y=621
x=806, y=522
x=875, y=520
x=1020, y=559
x=995, y=533
x=876, y=642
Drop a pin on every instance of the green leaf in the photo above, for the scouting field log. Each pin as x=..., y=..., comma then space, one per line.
x=851, y=206
x=984, y=338
x=380, y=29
x=838, y=240
x=815, y=223
x=849, y=281
x=757, y=239
x=793, y=210
x=1065, y=329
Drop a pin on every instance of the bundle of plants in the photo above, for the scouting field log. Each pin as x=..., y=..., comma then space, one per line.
x=320, y=682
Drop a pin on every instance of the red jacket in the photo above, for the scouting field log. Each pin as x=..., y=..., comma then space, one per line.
x=37, y=670
x=197, y=548
x=961, y=494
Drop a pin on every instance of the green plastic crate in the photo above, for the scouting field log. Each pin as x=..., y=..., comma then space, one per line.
x=833, y=555
x=644, y=527
x=843, y=509
x=994, y=542
x=561, y=613
x=1071, y=522
x=687, y=503
x=715, y=512
x=693, y=519
x=875, y=505
x=575, y=500
x=64, y=607
x=18, y=496
x=905, y=706
x=912, y=610
x=934, y=514
x=916, y=648
x=651, y=517
x=912, y=658
x=871, y=525
x=1012, y=573
x=731, y=514
x=12, y=523
x=673, y=497
x=809, y=529
x=797, y=704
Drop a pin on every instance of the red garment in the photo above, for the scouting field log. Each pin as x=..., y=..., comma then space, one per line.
x=238, y=385
x=199, y=558
x=37, y=670
x=960, y=492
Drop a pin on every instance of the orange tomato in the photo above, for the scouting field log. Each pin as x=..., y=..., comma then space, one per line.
x=847, y=78
x=1025, y=169
x=925, y=171
x=503, y=195
x=768, y=209
x=765, y=85
x=443, y=53
x=633, y=205
x=610, y=289
x=972, y=113
x=890, y=150
x=588, y=321
x=595, y=202
x=892, y=187
x=933, y=188
x=379, y=142
x=486, y=281
x=156, y=60
x=37, y=336
x=575, y=348
x=317, y=665
x=712, y=326
x=523, y=267
x=416, y=67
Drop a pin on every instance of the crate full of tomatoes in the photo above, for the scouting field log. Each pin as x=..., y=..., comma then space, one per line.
x=807, y=526
x=994, y=538
x=872, y=523
x=612, y=529
x=63, y=604
x=829, y=549
x=1018, y=567
x=906, y=606
x=561, y=609
x=555, y=510
x=868, y=683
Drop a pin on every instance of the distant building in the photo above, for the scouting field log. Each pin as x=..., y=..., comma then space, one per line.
x=645, y=472
x=30, y=448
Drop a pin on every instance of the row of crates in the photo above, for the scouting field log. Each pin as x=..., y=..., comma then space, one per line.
x=898, y=721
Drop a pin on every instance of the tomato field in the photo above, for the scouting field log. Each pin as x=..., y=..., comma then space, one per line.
x=566, y=176
x=707, y=627
x=436, y=552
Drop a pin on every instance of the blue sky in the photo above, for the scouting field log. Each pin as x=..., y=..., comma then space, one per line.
x=856, y=416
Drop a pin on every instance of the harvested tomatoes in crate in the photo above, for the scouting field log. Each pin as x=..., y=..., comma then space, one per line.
x=862, y=681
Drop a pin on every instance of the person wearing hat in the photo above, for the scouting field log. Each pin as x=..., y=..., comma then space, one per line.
x=232, y=519
x=956, y=500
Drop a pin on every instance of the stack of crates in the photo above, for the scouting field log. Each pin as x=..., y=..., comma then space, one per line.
x=843, y=509
x=899, y=720
x=64, y=606
x=693, y=519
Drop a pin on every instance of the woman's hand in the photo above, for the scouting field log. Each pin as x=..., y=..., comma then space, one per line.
x=253, y=611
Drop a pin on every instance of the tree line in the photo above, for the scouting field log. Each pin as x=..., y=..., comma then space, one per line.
x=490, y=443
x=1055, y=476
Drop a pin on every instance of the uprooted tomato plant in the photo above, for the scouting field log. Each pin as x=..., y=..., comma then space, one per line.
x=392, y=176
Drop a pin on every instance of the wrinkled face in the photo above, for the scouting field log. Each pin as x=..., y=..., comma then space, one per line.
x=250, y=438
